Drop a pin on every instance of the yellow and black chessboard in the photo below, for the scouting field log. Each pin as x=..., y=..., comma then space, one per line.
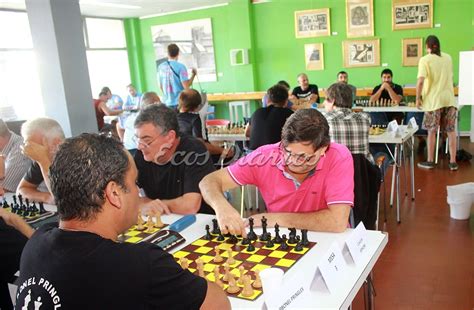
x=259, y=259
x=132, y=235
x=37, y=217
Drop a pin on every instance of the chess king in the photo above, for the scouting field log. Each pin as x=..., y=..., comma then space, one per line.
x=306, y=181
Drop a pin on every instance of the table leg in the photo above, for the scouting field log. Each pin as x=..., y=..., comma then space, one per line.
x=437, y=145
x=412, y=168
x=395, y=158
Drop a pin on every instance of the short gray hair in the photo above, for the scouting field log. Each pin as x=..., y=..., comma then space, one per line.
x=45, y=126
x=150, y=97
x=160, y=116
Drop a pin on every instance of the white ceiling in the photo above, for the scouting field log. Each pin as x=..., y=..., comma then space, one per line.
x=127, y=8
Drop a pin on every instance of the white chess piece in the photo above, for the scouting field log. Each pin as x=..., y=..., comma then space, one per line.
x=38, y=303
x=26, y=301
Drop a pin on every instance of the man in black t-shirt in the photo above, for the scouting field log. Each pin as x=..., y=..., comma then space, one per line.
x=386, y=92
x=170, y=165
x=42, y=137
x=266, y=123
x=304, y=95
x=80, y=264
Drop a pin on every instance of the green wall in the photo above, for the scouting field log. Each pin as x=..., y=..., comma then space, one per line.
x=267, y=30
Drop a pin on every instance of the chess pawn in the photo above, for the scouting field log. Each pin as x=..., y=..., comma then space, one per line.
x=226, y=272
x=158, y=222
x=258, y=282
x=233, y=288
x=230, y=259
x=242, y=272
x=217, y=279
x=247, y=291
x=149, y=225
x=200, y=267
x=183, y=261
x=218, y=258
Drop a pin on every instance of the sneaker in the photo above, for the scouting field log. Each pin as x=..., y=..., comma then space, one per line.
x=426, y=165
x=453, y=166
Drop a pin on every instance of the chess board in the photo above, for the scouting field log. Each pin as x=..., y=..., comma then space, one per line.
x=375, y=131
x=262, y=258
x=37, y=217
x=132, y=235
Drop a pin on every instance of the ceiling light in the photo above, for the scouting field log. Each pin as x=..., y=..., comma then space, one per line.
x=111, y=5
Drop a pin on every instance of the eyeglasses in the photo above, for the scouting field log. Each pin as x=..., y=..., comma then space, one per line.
x=299, y=158
x=144, y=144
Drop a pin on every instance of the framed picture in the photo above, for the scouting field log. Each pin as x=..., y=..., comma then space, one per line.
x=314, y=56
x=360, y=18
x=312, y=23
x=412, y=14
x=361, y=53
x=412, y=50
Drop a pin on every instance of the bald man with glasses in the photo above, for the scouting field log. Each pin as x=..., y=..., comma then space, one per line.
x=170, y=165
x=306, y=181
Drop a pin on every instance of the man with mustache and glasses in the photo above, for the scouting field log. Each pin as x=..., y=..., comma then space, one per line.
x=306, y=181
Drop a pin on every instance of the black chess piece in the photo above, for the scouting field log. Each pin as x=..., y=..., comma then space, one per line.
x=20, y=199
x=264, y=236
x=232, y=239
x=269, y=243
x=292, y=239
x=215, y=227
x=5, y=204
x=41, y=208
x=251, y=235
x=284, y=245
x=250, y=247
x=14, y=200
x=27, y=202
x=299, y=247
x=35, y=208
x=245, y=241
x=277, y=238
x=208, y=234
x=304, y=237
x=221, y=237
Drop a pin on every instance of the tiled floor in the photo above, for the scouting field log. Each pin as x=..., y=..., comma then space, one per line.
x=429, y=260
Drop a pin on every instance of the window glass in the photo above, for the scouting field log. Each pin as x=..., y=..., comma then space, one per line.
x=105, y=33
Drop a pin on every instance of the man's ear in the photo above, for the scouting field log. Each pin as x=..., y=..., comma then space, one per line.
x=113, y=194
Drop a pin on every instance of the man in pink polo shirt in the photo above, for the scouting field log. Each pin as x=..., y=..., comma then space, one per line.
x=306, y=181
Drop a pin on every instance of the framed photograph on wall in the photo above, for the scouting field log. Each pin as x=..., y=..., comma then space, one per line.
x=360, y=18
x=361, y=53
x=412, y=14
x=314, y=56
x=312, y=23
x=412, y=50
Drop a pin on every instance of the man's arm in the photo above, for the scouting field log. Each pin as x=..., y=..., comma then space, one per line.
x=215, y=298
x=16, y=222
x=212, y=188
x=189, y=203
x=30, y=191
x=419, y=88
x=333, y=219
x=393, y=95
x=376, y=95
x=187, y=84
x=108, y=111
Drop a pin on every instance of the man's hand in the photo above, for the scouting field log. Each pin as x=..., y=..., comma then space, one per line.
x=313, y=97
x=154, y=207
x=419, y=103
x=35, y=151
x=194, y=71
x=386, y=86
x=230, y=222
x=10, y=218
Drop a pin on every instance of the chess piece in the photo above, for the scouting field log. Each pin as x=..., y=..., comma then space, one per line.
x=35, y=207
x=269, y=243
x=233, y=288
x=149, y=225
x=284, y=245
x=200, y=267
x=258, y=282
x=20, y=199
x=299, y=247
x=251, y=235
x=292, y=239
x=264, y=235
x=226, y=272
x=158, y=222
x=41, y=207
x=140, y=226
x=215, y=227
x=208, y=234
x=247, y=291
x=242, y=272
x=221, y=236
x=304, y=237
x=250, y=247
x=245, y=241
x=14, y=200
x=230, y=258
x=217, y=279
x=217, y=258
x=232, y=239
x=183, y=261
x=277, y=238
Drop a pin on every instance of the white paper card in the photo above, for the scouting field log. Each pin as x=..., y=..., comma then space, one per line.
x=332, y=267
x=392, y=126
x=412, y=123
x=357, y=244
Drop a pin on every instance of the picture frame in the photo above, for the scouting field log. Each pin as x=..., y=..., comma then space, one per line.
x=361, y=53
x=412, y=14
x=359, y=18
x=412, y=51
x=314, y=56
x=312, y=23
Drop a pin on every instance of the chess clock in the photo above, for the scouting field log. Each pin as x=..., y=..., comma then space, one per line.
x=168, y=239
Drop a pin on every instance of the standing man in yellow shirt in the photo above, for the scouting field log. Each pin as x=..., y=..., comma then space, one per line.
x=435, y=96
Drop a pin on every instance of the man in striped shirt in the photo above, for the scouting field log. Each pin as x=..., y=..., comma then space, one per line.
x=13, y=164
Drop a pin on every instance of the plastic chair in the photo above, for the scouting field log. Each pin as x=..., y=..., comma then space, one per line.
x=234, y=110
x=217, y=122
